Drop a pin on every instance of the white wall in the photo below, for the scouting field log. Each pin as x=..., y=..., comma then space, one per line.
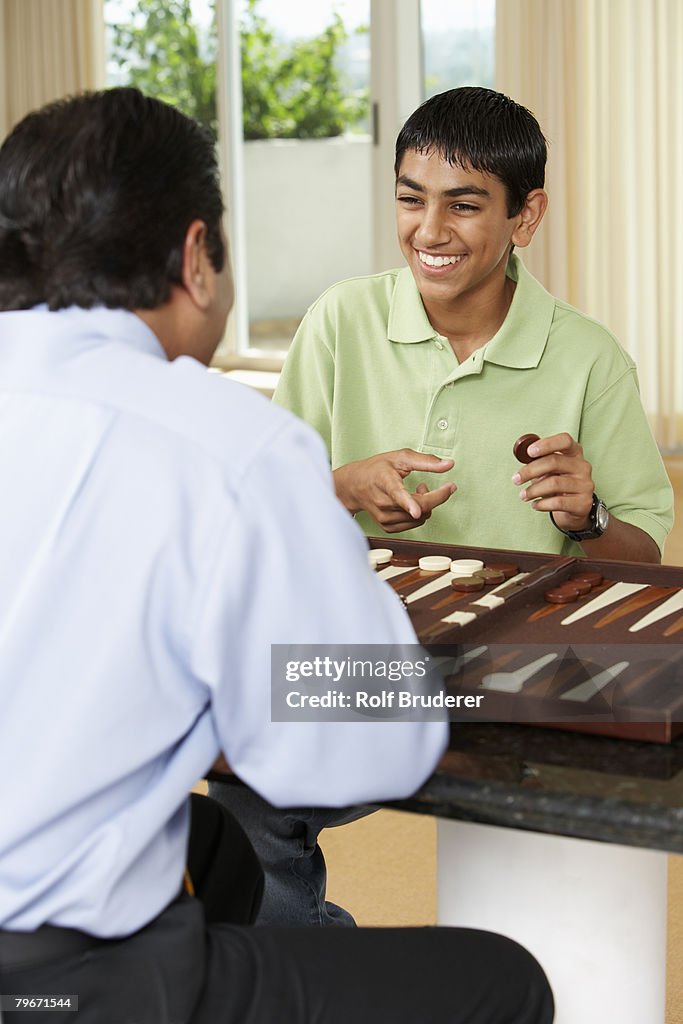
x=308, y=220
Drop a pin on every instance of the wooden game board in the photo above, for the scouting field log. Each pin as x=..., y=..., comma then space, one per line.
x=609, y=661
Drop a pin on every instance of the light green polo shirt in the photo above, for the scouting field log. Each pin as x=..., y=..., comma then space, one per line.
x=370, y=373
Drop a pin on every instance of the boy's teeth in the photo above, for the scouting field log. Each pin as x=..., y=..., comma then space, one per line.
x=437, y=261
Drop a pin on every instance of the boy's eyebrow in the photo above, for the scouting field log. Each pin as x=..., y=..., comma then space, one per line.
x=452, y=193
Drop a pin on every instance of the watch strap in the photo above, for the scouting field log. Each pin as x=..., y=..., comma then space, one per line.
x=591, y=532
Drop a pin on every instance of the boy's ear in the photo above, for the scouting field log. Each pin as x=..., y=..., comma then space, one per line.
x=529, y=217
x=195, y=265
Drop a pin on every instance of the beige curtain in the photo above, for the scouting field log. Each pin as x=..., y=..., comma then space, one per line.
x=48, y=49
x=605, y=79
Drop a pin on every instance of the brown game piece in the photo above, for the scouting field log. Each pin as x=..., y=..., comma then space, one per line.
x=571, y=588
x=580, y=586
x=520, y=448
x=558, y=595
x=491, y=576
x=467, y=584
x=587, y=576
x=404, y=560
x=507, y=568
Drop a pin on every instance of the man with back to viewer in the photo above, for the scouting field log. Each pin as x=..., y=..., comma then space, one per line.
x=146, y=571
x=438, y=368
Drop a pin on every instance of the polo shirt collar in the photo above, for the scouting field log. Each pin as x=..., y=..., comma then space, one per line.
x=408, y=321
x=521, y=339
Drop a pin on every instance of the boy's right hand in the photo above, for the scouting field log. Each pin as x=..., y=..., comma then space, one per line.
x=375, y=485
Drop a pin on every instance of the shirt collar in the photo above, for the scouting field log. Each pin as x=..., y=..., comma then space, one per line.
x=408, y=321
x=98, y=325
x=520, y=340
x=522, y=337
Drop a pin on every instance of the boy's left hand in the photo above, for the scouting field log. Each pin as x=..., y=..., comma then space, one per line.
x=559, y=480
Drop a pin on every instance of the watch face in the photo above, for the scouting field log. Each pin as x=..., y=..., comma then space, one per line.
x=602, y=517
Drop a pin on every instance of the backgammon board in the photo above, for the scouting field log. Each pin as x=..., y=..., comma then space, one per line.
x=594, y=646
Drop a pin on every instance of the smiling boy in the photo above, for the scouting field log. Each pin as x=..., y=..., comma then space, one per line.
x=437, y=368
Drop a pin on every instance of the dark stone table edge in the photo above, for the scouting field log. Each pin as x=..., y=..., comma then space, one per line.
x=578, y=817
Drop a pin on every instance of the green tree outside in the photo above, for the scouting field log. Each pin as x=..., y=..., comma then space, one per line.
x=290, y=90
x=158, y=52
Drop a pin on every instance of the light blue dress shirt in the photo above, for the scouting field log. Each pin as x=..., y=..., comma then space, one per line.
x=160, y=527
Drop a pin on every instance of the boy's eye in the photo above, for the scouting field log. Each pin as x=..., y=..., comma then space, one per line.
x=408, y=200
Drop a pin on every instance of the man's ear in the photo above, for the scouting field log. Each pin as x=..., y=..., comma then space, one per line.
x=194, y=271
x=529, y=217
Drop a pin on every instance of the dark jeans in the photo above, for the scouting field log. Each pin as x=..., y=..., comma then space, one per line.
x=286, y=842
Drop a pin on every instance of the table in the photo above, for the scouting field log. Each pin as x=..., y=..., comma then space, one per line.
x=557, y=839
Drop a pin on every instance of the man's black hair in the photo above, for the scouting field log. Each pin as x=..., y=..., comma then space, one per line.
x=96, y=195
x=482, y=129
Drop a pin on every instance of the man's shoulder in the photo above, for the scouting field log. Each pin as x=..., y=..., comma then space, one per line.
x=226, y=420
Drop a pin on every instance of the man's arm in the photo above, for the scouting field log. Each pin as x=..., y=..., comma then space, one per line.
x=291, y=568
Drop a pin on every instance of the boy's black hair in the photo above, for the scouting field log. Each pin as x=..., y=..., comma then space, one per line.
x=96, y=195
x=482, y=129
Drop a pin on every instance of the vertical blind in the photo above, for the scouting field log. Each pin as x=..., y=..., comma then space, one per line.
x=48, y=49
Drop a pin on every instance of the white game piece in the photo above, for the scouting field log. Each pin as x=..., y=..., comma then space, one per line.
x=380, y=556
x=435, y=563
x=466, y=566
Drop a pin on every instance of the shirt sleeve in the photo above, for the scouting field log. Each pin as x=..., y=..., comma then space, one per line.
x=306, y=384
x=292, y=568
x=628, y=470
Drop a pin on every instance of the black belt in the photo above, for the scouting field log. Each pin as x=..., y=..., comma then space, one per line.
x=19, y=950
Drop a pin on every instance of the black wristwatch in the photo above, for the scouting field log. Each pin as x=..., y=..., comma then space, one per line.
x=598, y=519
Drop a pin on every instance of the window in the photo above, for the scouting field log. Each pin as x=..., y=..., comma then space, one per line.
x=298, y=152
x=458, y=44
x=309, y=196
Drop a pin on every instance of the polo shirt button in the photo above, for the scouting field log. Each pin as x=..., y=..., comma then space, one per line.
x=442, y=424
x=438, y=345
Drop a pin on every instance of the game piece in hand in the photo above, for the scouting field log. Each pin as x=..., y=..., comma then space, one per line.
x=520, y=448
